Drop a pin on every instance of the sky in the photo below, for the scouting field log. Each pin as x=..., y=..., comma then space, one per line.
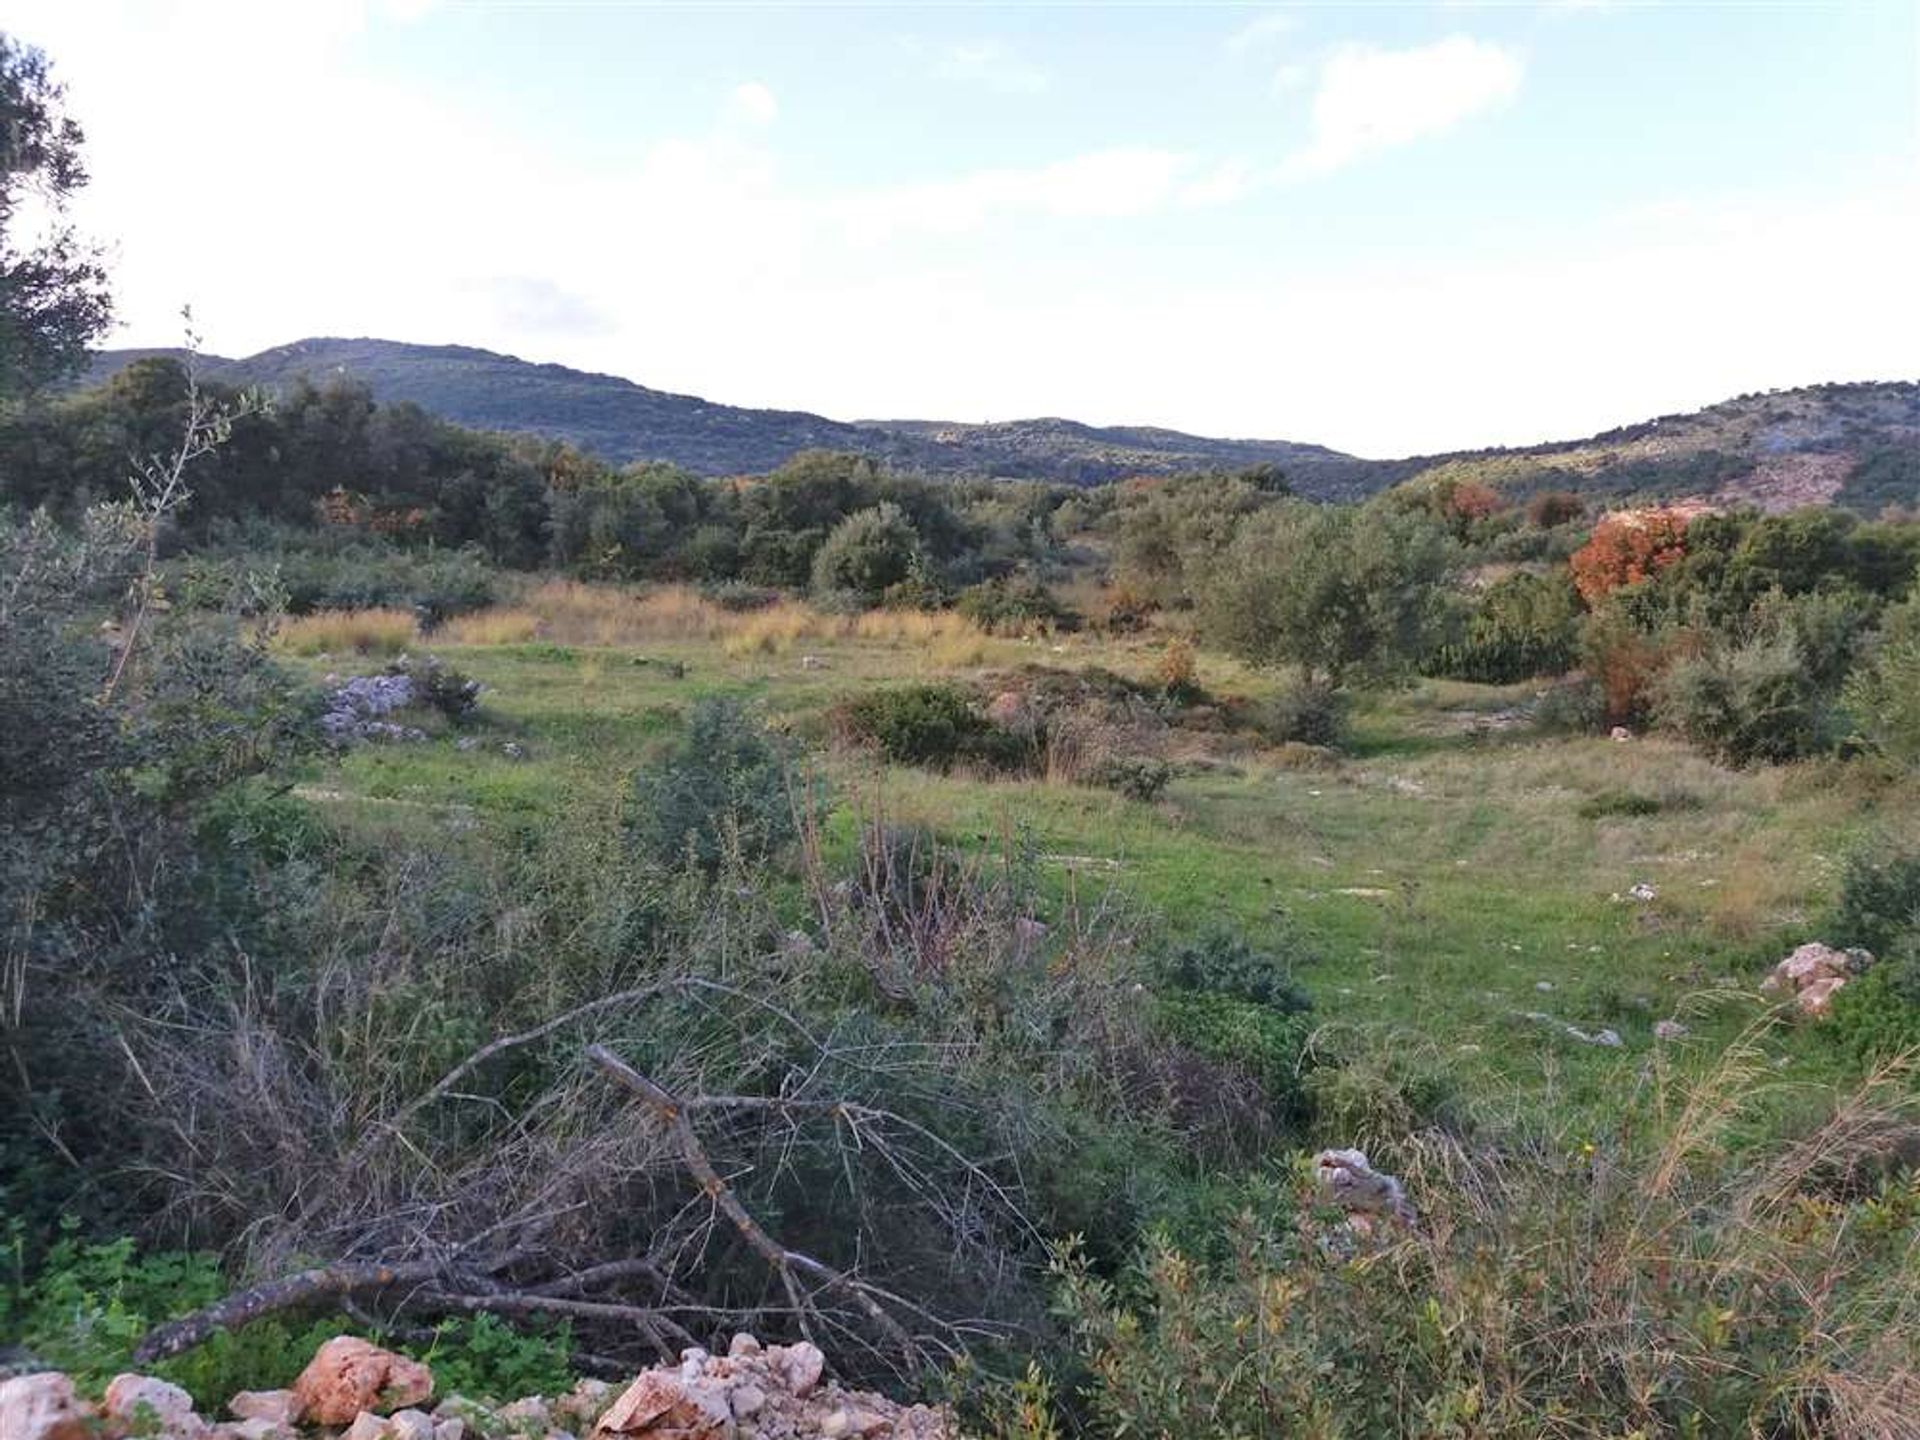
x=1389, y=228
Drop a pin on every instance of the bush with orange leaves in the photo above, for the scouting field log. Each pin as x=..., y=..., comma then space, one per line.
x=1627, y=547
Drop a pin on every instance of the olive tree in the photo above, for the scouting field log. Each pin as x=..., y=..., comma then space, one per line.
x=53, y=288
x=1344, y=593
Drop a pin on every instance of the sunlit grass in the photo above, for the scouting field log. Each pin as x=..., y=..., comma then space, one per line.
x=359, y=632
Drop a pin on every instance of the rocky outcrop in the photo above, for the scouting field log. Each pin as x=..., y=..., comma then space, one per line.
x=44, y=1406
x=1349, y=1181
x=752, y=1392
x=355, y=1390
x=1813, y=974
x=348, y=1376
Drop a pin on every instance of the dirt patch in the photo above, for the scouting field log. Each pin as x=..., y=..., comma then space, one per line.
x=1788, y=482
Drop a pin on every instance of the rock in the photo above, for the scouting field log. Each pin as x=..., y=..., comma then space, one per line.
x=862, y=1421
x=802, y=1365
x=452, y=1428
x=260, y=1427
x=367, y=1426
x=650, y=1396
x=581, y=1406
x=1669, y=1030
x=1817, y=999
x=742, y=1345
x=151, y=1407
x=43, y=1406
x=1354, y=1185
x=529, y=1415
x=1608, y=1038
x=410, y=1425
x=280, y=1406
x=1620, y=733
x=747, y=1401
x=348, y=1375
x=1813, y=973
x=836, y=1424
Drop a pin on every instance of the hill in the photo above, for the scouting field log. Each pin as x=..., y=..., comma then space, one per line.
x=621, y=421
x=1852, y=445
x=1856, y=445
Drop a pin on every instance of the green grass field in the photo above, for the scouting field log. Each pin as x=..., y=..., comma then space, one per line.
x=1456, y=876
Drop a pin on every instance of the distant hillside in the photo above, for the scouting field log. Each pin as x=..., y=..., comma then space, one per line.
x=1068, y=450
x=621, y=421
x=1854, y=445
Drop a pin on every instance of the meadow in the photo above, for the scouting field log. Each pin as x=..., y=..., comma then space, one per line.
x=1454, y=870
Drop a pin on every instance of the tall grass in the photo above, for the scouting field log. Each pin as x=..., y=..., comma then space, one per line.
x=572, y=613
x=361, y=632
x=1678, y=1276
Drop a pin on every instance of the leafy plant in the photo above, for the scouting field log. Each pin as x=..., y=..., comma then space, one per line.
x=1138, y=777
x=1222, y=962
x=935, y=726
x=723, y=788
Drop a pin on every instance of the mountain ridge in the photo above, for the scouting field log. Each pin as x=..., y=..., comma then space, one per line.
x=1775, y=449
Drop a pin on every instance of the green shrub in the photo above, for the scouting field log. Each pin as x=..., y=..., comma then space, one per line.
x=1304, y=713
x=1574, y=706
x=486, y=1359
x=724, y=787
x=440, y=688
x=435, y=584
x=1879, y=899
x=1883, y=694
x=1652, y=1282
x=920, y=590
x=738, y=595
x=1267, y=1042
x=1521, y=626
x=1876, y=1016
x=933, y=726
x=87, y=1304
x=1747, y=703
x=1138, y=777
x=1221, y=962
x=1013, y=605
x=866, y=553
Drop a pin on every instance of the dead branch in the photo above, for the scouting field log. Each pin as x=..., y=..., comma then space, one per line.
x=784, y=1262
x=330, y=1282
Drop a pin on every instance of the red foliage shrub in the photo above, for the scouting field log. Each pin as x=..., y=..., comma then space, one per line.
x=1470, y=500
x=1625, y=548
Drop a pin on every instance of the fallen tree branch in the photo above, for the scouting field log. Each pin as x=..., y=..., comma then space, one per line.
x=784, y=1262
x=329, y=1282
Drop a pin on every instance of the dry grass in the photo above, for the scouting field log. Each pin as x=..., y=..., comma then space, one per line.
x=362, y=632
x=507, y=625
x=571, y=613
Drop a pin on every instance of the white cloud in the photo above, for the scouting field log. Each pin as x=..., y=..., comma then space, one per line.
x=1261, y=32
x=1370, y=99
x=993, y=64
x=1105, y=184
x=753, y=103
x=361, y=209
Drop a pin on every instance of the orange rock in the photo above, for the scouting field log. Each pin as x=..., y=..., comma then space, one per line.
x=280, y=1406
x=43, y=1406
x=662, y=1405
x=348, y=1375
x=147, y=1406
